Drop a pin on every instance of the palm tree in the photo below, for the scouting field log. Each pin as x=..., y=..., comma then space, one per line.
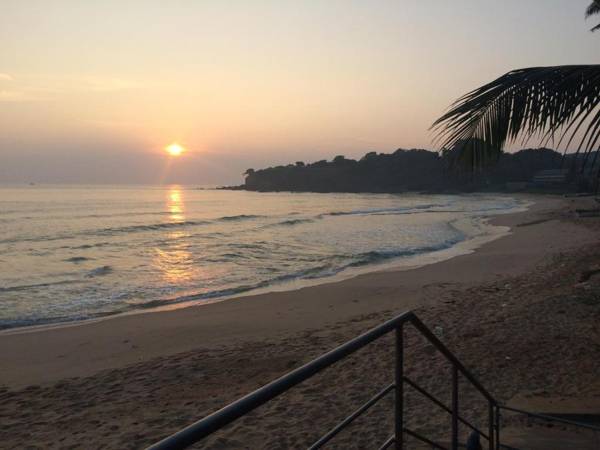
x=558, y=104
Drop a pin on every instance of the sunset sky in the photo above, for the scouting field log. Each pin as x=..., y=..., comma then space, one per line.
x=92, y=92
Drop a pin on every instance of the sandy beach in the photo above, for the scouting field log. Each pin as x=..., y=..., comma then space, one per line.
x=517, y=311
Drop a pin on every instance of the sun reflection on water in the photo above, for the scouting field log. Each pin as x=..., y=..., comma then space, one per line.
x=175, y=204
x=174, y=260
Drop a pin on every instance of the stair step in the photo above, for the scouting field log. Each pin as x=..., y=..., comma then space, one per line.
x=545, y=438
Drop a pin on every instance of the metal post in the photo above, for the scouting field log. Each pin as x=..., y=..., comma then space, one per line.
x=497, y=427
x=454, y=408
x=491, y=426
x=399, y=400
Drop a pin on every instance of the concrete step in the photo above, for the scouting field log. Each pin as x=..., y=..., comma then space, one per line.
x=524, y=433
x=545, y=438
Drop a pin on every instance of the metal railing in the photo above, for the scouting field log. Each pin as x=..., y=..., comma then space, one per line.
x=203, y=428
x=219, y=419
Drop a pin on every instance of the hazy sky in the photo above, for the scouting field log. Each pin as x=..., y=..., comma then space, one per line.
x=91, y=91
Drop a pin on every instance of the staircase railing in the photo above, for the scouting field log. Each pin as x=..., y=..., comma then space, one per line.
x=217, y=420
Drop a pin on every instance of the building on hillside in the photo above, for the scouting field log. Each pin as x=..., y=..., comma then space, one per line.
x=551, y=178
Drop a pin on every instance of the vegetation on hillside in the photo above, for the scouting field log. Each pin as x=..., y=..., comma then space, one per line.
x=403, y=170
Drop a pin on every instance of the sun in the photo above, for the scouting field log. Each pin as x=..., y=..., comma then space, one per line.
x=174, y=149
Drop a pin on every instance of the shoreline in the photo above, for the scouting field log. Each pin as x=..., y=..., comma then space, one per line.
x=49, y=355
x=403, y=263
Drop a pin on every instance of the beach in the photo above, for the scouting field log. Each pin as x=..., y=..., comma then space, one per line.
x=515, y=311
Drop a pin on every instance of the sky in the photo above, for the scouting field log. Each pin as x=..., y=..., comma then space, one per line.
x=92, y=92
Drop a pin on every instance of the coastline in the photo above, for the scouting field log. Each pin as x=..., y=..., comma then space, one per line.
x=48, y=354
x=512, y=310
x=487, y=232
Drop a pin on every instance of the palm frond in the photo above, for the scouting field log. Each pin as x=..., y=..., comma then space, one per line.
x=593, y=9
x=557, y=102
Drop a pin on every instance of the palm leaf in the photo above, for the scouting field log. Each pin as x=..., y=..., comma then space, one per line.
x=593, y=9
x=553, y=103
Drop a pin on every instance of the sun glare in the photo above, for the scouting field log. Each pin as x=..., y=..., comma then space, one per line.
x=174, y=149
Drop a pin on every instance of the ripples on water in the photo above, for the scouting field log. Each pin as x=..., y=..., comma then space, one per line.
x=72, y=253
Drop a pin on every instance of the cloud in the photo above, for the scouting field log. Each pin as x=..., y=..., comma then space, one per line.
x=115, y=124
x=14, y=96
x=77, y=83
x=99, y=84
x=24, y=95
x=48, y=88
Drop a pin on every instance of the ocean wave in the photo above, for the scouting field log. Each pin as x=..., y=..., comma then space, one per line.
x=149, y=227
x=332, y=268
x=201, y=296
x=124, y=214
x=111, y=231
x=77, y=259
x=99, y=271
x=333, y=265
x=260, y=247
x=71, y=216
x=35, y=239
x=381, y=211
x=24, y=287
x=86, y=246
x=289, y=222
x=239, y=217
x=311, y=273
x=377, y=256
x=164, y=225
x=294, y=221
x=254, y=245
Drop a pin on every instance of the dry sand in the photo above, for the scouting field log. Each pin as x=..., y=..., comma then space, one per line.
x=514, y=311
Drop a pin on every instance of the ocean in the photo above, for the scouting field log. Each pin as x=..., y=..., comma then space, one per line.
x=81, y=252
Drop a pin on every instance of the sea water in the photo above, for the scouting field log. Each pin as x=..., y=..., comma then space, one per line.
x=79, y=252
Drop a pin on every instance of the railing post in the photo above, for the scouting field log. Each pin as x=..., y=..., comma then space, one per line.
x=399, y=391
x=497, y=427
x=454, y=407
x=491, y=427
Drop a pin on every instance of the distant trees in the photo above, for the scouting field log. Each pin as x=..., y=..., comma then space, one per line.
x=403, y=170
x=370, y=155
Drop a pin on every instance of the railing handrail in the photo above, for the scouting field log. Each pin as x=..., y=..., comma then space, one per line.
x=244, y=405
x=441, y=405
x=215, y=421
x=450, y=357
x=348, y=420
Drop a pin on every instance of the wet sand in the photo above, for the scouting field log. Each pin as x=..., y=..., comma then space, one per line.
x=129, y=380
